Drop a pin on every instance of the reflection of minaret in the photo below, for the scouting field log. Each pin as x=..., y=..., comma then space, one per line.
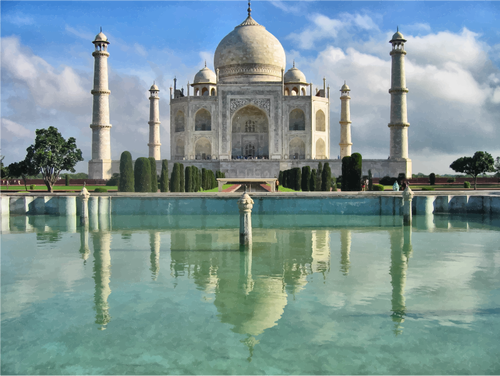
x=246, y=270
x=399, y=265
x=84, y=243
x=154, y=242
x=345, y=250
x=102, y=274
x=320, y=251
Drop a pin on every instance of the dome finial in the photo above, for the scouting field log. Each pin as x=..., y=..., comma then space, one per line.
x=100, y=29
x=294, y=63
x=397, y=28
x=205, y=63
x=249, y=10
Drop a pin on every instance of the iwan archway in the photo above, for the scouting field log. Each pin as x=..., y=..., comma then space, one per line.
x=250, y=134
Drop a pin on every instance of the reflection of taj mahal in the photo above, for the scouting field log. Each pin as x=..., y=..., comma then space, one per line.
x=251, y=117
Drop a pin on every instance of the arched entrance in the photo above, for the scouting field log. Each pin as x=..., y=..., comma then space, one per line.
x=297, y=149
x=203, y=149
x=320, y=149
x=250, y=133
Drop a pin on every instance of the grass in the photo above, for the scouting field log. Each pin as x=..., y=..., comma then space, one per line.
x=216, y=189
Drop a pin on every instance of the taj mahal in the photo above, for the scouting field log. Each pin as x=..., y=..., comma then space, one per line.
x=251, y=117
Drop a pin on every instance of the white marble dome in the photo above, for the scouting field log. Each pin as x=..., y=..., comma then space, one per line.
x=249, y=53
x=101, y=37
x=398, y=36
x=154, y=88
x=206, y=75
x=295, y=75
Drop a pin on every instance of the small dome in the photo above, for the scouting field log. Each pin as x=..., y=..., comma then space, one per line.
x=398, y=37
x=294, y=75
x=101, y=37
x=206, y=75
x=154, y=88
x=345, y=87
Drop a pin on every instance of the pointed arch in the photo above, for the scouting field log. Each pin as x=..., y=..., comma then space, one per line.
x=320, y=149
x=297, y=149
x=320, y=121
x=179, y=121
x=297, y=120
x=250, y=133
x=203, y=120
x=179, y=148
x=203, y=148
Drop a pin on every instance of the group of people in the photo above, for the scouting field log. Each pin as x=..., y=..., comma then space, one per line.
x=11, y=182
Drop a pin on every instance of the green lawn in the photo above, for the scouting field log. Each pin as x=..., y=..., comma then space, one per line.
x=41, y=188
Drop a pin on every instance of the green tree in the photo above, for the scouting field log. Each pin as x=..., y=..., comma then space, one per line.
x=21, y=170
x=346, y=171
x=164, y=176
x=319, y=176
x=306, y=177
x=432, y=178
x=175, y=181
x=480, y=163
x=327, y=177
x=355, y=172
x=188, y=180
x=51, y=154
x=370, y=180
x=280, y=178
x=154, y=176
x=126, y=182
x=297, y=174
x=312, y=181
x=142, y=175
x=204, y=181
x=67, y=180
x=182, y=183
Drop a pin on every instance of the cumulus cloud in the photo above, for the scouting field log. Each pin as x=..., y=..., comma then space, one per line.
x=454, y=90
x=12, y=130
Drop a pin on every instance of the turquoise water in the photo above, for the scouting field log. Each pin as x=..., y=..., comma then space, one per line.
x=314, y=295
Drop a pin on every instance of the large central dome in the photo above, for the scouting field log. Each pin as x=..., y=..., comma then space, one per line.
x=249, y=53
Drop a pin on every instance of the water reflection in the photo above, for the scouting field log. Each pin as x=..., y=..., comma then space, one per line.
x=154, y=243
x=401, y=250
x=102, y=273
x=345, y=250
x=84, y=243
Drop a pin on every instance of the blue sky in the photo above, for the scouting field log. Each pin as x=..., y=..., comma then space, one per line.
x=453, y=68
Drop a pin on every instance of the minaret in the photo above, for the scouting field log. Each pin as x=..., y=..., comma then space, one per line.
x=100, y=165
x=345, y=122
x=154, y=123
x=399, y=119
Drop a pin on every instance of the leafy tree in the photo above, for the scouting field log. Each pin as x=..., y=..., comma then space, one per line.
x=327, y=177
x=164, y=176
x=51, y=154
x=306, y=177
x=114, y=180
x=142, y=175
x=21, y=170
x=154, y=176
x=479, y=163
x=312, y=181
x=126, y=182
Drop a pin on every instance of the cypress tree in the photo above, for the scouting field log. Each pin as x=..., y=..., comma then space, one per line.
x=333, y=183
x=67, y=180
x=355, y=173
x=346, y=163
x=432, y=178
x=126, y=183
x=142, y=175
x=312, y=181
x=319, y=178
x=204, y=179
x=154, y=176
x=280, y=178
x=198, y=182
x=326, y=178
x=187, y=179
x=214, y=181
x=181, y=182
x=306, y=177
x=175, y=181
x=370, y=180
x=164, y=176
x=297, y=179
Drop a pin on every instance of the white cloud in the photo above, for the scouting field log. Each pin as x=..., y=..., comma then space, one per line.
x=80, y=33
x=12, y=130
x=20, y=19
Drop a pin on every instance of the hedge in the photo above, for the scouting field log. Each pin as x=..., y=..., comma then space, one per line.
x=378, y=187
x=142, y=175
x=164, y=176
x=306, y=177
x=154, y=177
x=126, y=183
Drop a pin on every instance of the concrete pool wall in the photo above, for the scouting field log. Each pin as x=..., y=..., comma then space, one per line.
x=351, y=203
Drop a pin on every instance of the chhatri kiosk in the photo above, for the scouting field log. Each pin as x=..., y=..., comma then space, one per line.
x=251, y=117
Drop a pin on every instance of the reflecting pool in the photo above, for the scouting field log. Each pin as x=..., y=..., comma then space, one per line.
x=313, y=295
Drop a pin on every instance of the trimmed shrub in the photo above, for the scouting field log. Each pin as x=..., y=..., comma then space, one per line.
x=346, y=166
x=175, y=180
x=154, y=177
x=378, y=187
x=164, y=176
x=338, y=185
x=355, y=172
x=32, y=186
x=466, y=184
x=142, y=175
x=306, y=177
x=126, y=183
x=100, y=190
x=333, y=183
x=326, y=178
x=188, y=183
x=451, y=180
x=428, y=189
x=297, y=178
x=214, y=181
x=280, y=178
x=204, y=179
x=432, y=178
x=67, y=180
x=181, y=183
x=370, y=180
x=387, y=180
x=319, y=176
x=312, y=180
x=115, y=180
